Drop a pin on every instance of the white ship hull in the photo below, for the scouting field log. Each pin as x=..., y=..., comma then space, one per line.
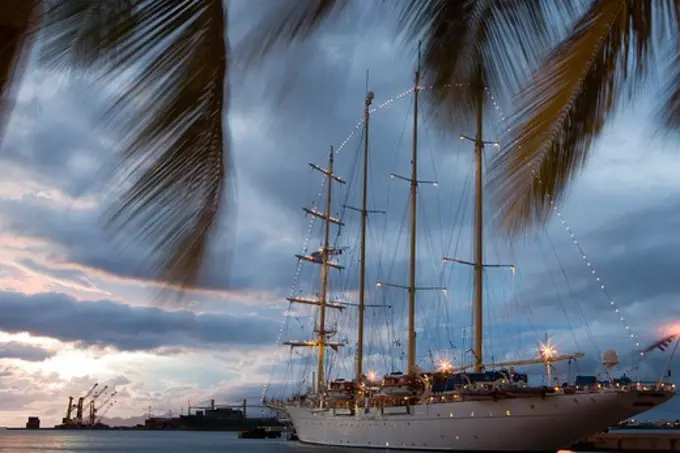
x=517, y=424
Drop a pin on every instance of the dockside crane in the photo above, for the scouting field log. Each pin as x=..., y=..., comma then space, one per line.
x=81, y=401
x=69, y=410
x=107, y=400
x=95, y=410
x=105, y=411
x=91, y=418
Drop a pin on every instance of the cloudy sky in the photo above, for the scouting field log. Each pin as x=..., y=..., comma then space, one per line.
x=78, y=309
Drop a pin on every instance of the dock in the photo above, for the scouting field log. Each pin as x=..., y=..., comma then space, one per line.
x=635, y=442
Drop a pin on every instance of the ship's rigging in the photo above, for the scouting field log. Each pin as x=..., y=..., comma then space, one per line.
x=323, y=257
x=414, y=182
x=323, y=334
x=416, y=399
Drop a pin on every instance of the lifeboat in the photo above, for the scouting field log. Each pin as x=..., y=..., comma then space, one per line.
x=400, y=385
x=341, y=390
x=568, y=389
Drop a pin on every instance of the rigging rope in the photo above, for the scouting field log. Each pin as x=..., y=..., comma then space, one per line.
x=569, y=231
x=350, y=136
x=359, y=126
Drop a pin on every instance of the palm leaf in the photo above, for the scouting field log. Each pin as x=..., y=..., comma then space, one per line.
x=671, y=107
x=670, y=110
x=502, y=38
x=288, y=22
x=497, y=40
x=169, y=118
x=17, y=24
x=83, y=34
x=602, y=62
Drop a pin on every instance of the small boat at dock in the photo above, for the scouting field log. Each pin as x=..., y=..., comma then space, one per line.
x=261, y=432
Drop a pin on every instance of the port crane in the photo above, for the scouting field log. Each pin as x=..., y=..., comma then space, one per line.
x=95, y=410
x=105, y=411
x=69, y=411
x=78, y=407
x=93, y=401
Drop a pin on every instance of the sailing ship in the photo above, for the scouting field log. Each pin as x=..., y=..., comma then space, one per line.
x=475, y=407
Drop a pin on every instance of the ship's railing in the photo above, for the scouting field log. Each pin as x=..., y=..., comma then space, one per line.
x=638, y=386
x=504, y=388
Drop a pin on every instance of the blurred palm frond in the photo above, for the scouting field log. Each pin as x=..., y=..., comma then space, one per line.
x=504, y=39
x=17, y=27
x=607, y=56
x=286, y=22
x=166, y=62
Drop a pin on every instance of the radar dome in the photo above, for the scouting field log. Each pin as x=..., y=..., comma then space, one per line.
x=610, y=358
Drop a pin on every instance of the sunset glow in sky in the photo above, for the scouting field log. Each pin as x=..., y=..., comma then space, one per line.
x=76, y=309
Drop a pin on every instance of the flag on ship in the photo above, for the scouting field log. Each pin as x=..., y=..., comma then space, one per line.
x=318, y=255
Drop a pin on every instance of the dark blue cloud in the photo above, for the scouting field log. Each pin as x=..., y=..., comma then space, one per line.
x=276, y=135
x=634, y=257
x=106, y=323
x=30, y=353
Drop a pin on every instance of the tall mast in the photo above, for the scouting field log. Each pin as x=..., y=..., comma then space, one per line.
x=412, y=288
x=321, y=332
x=362, y=264
x=412, y=266
x=478, y=262
x=479, y=225
x=322, y=257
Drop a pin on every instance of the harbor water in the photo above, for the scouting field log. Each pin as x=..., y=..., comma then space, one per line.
x=57, y=441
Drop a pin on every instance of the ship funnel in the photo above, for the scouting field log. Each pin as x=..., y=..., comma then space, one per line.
x=609, y=358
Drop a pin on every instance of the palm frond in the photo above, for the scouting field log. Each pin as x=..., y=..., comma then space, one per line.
x=287, y=22
x=169, y=116
x=502, y=38
x=17, y=24
x=83, y=34
x=567, y=104
x=670, y=111
x=507, y=37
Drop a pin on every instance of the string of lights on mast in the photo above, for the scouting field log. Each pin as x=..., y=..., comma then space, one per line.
x=358, y=126
x=575, y=241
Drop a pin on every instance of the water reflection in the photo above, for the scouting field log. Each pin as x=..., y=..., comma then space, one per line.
x=54, y=441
